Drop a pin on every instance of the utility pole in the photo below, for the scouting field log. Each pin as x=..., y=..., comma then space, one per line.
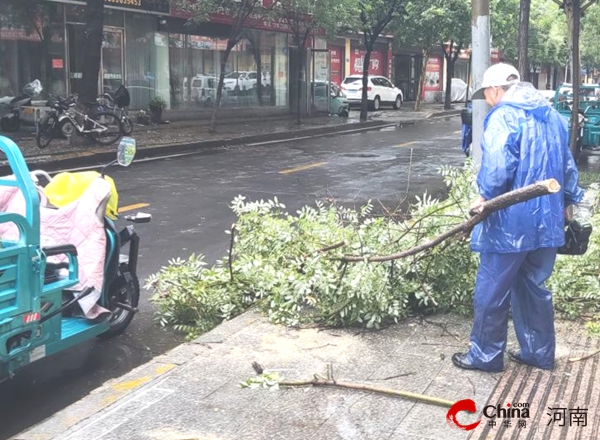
x=576, y=63
x=524, y=39
x=481, y=61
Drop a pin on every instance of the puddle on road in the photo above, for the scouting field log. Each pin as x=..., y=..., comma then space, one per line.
x=365, y=155
x=393, y=128
x=368, y=156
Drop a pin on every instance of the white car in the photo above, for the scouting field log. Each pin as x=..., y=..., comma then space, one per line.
x=234, y=81
x=380, y=91
x=242, y=81
x=204, y=89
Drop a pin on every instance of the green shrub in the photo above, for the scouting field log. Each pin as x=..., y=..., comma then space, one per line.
x=279, y=263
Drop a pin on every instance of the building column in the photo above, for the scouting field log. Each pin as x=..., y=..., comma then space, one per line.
x=347, y=57
x=390, y=60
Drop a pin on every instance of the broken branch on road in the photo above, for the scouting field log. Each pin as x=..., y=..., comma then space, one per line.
x=272, y=380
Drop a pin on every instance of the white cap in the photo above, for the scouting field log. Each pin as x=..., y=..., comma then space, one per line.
x=497, y=76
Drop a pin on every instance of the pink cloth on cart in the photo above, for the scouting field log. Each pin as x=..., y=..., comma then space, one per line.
x=80, y=223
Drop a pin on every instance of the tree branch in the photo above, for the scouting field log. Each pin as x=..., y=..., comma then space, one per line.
x=587, y=5
x=231, y=252
x=545, y=187
x=331, y=382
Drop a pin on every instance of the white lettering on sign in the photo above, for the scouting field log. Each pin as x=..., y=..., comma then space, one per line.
x=360, y=61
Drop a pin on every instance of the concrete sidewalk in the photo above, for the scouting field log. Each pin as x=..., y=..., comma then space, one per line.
x=186, y=136
x=193, y=392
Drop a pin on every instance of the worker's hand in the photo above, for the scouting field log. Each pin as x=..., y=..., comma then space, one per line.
x=568, y=213
x=477, y=205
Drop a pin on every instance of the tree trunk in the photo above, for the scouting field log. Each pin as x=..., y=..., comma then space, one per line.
x=259, y=84
x=224, y=58
x=524, y=39
x=449, y=75
x=421, y=82
x=301, y=76
x=570, y=30
x=364, y=101
x=255, y=43
x=94, y=27
x=576, y=18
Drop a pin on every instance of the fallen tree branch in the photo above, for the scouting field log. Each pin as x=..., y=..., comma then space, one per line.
x=545, y=187
x=332, y=247
x=583, y=358
x=231, y=252
x=364, y=387
x=330, y=381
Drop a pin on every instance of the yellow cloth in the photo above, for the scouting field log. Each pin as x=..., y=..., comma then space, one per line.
x=68, y=187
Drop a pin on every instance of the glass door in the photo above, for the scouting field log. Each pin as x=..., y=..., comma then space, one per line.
x=75, y=35
x=111, y=64
x=320, y=75
x=112, y=72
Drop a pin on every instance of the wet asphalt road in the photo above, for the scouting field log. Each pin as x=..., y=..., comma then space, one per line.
x=189, y=199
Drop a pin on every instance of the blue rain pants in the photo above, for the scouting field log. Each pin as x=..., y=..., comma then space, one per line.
x=516, y=279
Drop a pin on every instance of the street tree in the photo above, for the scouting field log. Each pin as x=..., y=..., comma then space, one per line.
x=430, y=23
x=590, y=36
x=524, y=12
x=306, y=18
x=547, y=37
x=573, y=10
x=504, y=28
x=244, y=15
x=456, y=34
x=253, y=37
x=93, y=33
x=374, y=18
x=546, y=34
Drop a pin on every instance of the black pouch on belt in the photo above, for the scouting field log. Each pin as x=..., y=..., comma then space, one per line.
x=577, y=237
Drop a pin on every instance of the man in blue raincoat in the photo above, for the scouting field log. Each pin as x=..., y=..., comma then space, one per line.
x=524, y=141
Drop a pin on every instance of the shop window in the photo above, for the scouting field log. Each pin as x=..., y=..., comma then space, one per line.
x=31, y=46
x=146, y=60
x=195, y=67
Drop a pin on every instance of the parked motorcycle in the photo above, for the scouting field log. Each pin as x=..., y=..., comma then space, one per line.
x=11, y=121
x=48, y=298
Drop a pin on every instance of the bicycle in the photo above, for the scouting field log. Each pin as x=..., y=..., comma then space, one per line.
x=104, y=127
x=117, y=103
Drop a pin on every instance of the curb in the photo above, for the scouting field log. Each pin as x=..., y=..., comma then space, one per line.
x=96, y=156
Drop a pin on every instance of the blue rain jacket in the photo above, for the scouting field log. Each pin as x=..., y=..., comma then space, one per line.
x=524, y=141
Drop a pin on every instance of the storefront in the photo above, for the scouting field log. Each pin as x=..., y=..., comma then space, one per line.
x=147, y=47
x=379, y=59
x=407, y=71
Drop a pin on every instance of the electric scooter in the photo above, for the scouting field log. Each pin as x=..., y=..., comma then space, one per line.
x=41, y=295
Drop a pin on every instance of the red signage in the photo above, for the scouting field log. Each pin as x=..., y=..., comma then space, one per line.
x=376, y=66
x=432, y=75
x=337, y=66
x=256, y=21
x=58, y=63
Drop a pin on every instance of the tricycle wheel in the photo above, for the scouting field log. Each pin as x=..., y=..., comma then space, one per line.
x=10, y=123
x=121, y=293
